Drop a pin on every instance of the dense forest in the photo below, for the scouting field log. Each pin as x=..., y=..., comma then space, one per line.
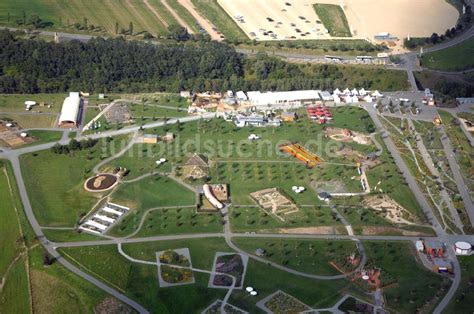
x=117, y=65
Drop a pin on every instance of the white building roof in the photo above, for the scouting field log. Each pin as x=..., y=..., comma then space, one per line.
x=96, y=225
x=112, y=211
x=104, y=218
x=70, y=109
x=270, y=98
x=241, y=95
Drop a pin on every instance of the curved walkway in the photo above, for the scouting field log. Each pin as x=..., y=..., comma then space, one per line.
x=229, y=292
x=119, y=154
x=228, y=240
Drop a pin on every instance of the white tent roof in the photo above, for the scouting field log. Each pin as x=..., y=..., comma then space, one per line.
x=377, y=94
x=355, y=92
x=336, y=91
x=346, y=91
x=70, y=109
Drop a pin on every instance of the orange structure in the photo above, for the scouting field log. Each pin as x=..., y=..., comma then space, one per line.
x=301, y=153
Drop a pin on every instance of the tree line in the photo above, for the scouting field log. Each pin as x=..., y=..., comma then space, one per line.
x=117, y=65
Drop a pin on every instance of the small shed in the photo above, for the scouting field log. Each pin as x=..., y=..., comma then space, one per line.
x=288, y=116
x=260, y=252
x=150, y=138
x=185, y=94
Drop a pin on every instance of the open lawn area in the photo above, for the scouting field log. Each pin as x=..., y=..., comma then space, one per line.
x=66, y=289
x=309, y=256
x=254, y=219
x=211, y=10
x=392, y=183
x=42, y=136
x=152, y=192
x=16, y=102
x=169, y=221
x=15, y=295
x=141, y=282
x=26, y=120
x=56, y=193
x=333, y=18
x=248, y=177
x=90, y=16
x=416, y=287
x=455, y=58
x=463, y=299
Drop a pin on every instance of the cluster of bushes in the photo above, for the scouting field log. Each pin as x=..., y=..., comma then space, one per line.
x=73, y=145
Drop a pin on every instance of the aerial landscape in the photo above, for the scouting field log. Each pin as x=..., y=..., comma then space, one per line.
x=236, y=156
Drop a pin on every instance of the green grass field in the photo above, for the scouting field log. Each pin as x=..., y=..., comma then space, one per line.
x=15, y=295
x=309, y=256
x=333, y=18
x=462, y=301
x=42, y=136
x=184, y=14
x=415, y=287
x=253, y=219
x=101, y=15
x=55, y=288
x=211, y=10
x=13, y=103
x=56, y=193
x=168, y=221
x=152, y=192
x=456, y=58
x=140, y=281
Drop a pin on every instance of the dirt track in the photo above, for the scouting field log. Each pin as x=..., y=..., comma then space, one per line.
x=177, y=17
x=201, y=20
x=152, y=9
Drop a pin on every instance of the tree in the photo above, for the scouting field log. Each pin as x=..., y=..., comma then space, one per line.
x=74, y=145
x=434, y=38
x=130, y=29
x=85, y=23
x=178, y=32
x=116, y=28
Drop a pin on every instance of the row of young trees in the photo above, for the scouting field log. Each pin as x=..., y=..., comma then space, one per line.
x=73, y=145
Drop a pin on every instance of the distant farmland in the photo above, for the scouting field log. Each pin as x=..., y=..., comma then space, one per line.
x=101, y=16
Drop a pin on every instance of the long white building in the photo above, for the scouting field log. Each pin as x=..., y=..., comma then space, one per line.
x=70, y=109
x=283, y=99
